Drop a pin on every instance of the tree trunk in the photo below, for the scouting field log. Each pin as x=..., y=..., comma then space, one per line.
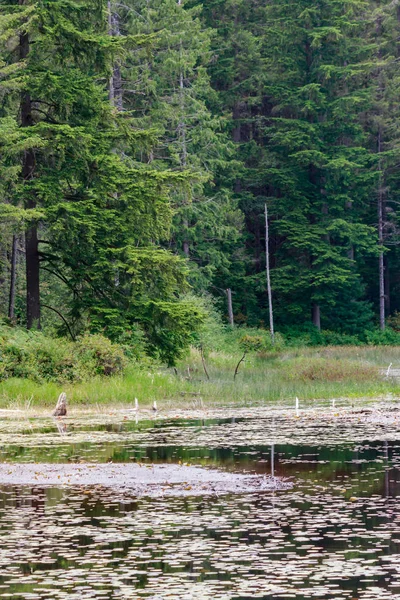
x=316, y=316
x=237, y=133
x=13, y=278
x=381, y=195
x=387, y=286
x=186, y=249
x=115, y=82
x=381, y=200
x=31, y=236
x=32, y=279
x=111, y=94
x=230, y=308
x=269, y=291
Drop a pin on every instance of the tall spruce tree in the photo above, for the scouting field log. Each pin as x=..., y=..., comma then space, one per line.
x=97, y=214
x=170, y=89
x=381, y=126
x=315, y=169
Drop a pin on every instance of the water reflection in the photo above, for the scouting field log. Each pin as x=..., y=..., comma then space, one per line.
x=335, y=535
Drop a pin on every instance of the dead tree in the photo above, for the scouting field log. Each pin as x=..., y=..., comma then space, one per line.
x=61, y=406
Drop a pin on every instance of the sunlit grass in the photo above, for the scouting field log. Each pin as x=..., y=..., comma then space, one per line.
x=309, y=373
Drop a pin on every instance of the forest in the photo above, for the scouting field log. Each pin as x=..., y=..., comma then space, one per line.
x=200, y=299
x=147, y=148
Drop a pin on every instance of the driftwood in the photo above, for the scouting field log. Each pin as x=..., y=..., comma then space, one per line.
x=61, y=406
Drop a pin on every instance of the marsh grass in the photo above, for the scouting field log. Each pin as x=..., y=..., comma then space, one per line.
x=309, y=373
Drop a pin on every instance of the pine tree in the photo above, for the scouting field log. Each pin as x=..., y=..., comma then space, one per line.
x=382, y=130
x=95, y=214
x=316, y=166
x=171, y=90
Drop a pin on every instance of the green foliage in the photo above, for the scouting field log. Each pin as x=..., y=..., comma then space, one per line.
x=394, y=321
x=389, y=337
x=170, y=327
x=101, y=212
x=261, y=343
x=177, y=98
x=33, y=355
x=99, y=355
x=308, y=335
x=142, y=193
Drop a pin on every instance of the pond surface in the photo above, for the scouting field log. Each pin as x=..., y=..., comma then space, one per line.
x=335, y=534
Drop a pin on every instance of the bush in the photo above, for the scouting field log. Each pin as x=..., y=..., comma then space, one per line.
x=261, y=342
x=100, y=356
x=36, y=356
x=394, y=321
x=388, y=337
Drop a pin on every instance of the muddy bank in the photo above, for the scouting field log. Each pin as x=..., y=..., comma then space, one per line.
x=141, y=480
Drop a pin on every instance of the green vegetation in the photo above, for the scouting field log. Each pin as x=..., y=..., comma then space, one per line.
x=141, y=144
x=92, y=370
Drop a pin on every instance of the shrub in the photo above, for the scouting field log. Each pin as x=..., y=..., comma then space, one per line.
x=36, y=356
x=100, y=356
x=261, y=342
x=394, y=321
x=388, y=337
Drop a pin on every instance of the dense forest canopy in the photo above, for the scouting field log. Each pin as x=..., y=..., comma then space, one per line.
x=140, y=143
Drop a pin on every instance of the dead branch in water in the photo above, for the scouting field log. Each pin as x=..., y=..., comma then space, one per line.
x=203, y=360
x=238, y=365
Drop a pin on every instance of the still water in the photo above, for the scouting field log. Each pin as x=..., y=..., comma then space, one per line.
x=335, y=534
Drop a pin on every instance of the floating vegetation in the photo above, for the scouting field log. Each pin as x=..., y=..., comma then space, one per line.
x=148, y=480
x=334, y=535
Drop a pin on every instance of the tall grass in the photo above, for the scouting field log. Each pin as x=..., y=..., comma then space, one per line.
x=309, y=373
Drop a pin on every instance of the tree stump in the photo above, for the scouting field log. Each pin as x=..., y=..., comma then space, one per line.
x=61, y=406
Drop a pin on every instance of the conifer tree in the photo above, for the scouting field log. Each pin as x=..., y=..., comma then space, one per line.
x=95, y=215
x=175, y=96
x=316, y=165
x=381, y=125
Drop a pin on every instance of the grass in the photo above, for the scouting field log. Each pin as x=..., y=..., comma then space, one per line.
x=309, y=373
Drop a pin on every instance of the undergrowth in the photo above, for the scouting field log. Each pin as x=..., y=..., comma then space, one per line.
x=332, y=373
x=92, y=371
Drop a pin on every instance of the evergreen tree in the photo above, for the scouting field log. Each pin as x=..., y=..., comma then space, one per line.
x=97, y=214
x=318, y=169
x=170, y=89
x=381, y=126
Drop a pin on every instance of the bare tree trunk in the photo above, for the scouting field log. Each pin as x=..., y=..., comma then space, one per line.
x=13, y=278
x=61, y=406
x=115, y=81
x=238, y=365
x=186, y=248
x=32, y=278
x=31, y=236
x=316, y=316
x=381, y=200
x=230, y=308
x=237, y=134
x=270, y=311
x=387, y=286
x=111, y=92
